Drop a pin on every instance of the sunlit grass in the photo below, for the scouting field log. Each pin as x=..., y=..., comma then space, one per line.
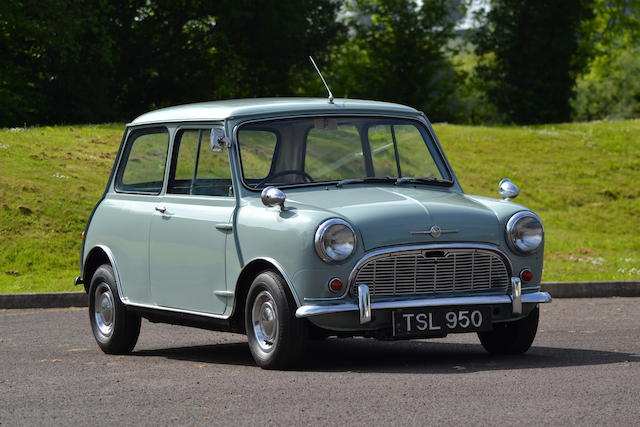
x=50, y=178
x=583, y=179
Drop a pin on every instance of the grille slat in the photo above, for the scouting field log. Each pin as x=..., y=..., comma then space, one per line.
x=409, y=272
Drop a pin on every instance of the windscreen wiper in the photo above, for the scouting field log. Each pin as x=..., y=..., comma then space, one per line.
x=369, y=179
x=424, y=180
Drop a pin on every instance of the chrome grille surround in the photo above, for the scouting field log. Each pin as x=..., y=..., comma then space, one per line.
x=432, y=269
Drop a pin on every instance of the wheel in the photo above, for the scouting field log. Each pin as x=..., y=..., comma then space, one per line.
x=115, y=329
x=511, y=337
x=276, y=337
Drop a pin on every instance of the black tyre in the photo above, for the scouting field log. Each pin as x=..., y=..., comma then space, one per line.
x=276, y=337
x=511, y=337
x=115, y=329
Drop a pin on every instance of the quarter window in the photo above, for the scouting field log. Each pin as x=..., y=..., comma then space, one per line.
x=144, y=163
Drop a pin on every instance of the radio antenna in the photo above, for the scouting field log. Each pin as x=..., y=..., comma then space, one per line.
x=323, y=80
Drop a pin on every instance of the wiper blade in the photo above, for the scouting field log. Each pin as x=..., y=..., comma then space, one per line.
x=424, y=180
x=397, y=181
x=370, y=179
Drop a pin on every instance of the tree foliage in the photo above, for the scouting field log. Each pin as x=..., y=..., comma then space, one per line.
x=531, y=56
x=57, y=61
x=610, y=89
x=397, y=51
x=614, y=25
x=98, y=60
x=73, y=61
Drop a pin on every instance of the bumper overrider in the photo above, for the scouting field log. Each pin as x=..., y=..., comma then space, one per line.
x=366, y=308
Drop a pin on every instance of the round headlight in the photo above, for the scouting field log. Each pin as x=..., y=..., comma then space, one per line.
x=525, y=232
x=335, y=240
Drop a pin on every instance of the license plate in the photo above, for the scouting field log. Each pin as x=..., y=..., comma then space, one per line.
x=439, y=321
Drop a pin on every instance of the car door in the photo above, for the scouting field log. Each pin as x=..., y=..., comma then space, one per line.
x=122, y=221
x=190, y=227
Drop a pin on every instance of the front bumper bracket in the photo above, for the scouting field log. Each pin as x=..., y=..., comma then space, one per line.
x=516, y=296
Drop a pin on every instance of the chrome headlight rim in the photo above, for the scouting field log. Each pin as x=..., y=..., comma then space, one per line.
x=511, y=228
x=319, y=237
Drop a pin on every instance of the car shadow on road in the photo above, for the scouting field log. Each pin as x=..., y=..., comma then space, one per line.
x=367, y=355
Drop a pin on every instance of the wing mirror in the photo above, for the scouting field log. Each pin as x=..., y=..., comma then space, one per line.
x=218, y=140
x=507, y=189
x=272, y=196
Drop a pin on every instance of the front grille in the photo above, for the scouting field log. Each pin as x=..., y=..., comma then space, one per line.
x=432, y=272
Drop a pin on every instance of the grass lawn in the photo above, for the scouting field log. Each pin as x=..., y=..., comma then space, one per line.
x=583, y=179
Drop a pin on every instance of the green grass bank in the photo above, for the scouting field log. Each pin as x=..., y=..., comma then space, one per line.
x=582, y=178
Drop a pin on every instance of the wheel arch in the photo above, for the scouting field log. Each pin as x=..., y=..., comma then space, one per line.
x=243, y=283
x=99, y=255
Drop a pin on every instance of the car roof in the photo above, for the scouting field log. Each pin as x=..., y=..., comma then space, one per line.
x=221, y=110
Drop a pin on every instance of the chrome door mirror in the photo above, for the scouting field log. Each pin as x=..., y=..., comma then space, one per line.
x=217, y=140
x=272, y=196
x=507, y=189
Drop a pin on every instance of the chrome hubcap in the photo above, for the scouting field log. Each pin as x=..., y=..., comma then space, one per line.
x=104, y=309
x=264, y=316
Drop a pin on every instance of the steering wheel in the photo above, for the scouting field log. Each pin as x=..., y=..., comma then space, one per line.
x=302, y=173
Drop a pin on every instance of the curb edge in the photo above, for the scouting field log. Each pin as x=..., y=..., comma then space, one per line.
x=556, y=289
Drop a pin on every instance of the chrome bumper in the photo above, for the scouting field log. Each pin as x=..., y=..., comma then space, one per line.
x=365, y=306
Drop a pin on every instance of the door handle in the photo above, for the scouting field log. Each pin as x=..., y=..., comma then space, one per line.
x=161, y=209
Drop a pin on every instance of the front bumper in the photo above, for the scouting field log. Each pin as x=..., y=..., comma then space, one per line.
x=366, y=308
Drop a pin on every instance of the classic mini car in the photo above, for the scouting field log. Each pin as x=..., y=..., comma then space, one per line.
x=373, y=238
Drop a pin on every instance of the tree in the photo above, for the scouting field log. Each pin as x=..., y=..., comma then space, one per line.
x=57, y=62
x=397, y=51
x=531, y=55
x=615, y=24
x=610, y=89
x=71, y=61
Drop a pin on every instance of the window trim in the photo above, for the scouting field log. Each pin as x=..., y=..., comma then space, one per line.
x=175, y=149
x=124, y=159
x=423, y=127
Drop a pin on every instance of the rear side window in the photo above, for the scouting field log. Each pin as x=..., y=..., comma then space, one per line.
x=143, y=164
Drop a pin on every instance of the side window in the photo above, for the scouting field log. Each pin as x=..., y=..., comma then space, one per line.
x=143, y=163
x=196, y=169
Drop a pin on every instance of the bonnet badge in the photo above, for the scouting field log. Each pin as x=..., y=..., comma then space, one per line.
x=435, y=232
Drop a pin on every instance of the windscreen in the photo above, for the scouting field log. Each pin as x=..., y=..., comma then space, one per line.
x=337, y=150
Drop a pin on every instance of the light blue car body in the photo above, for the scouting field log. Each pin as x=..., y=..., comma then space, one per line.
x=201, y=260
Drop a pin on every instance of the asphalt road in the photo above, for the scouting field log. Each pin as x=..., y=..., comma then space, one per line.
x=584, y=368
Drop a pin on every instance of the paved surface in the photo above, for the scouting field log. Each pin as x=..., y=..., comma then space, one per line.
x=584, y=369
